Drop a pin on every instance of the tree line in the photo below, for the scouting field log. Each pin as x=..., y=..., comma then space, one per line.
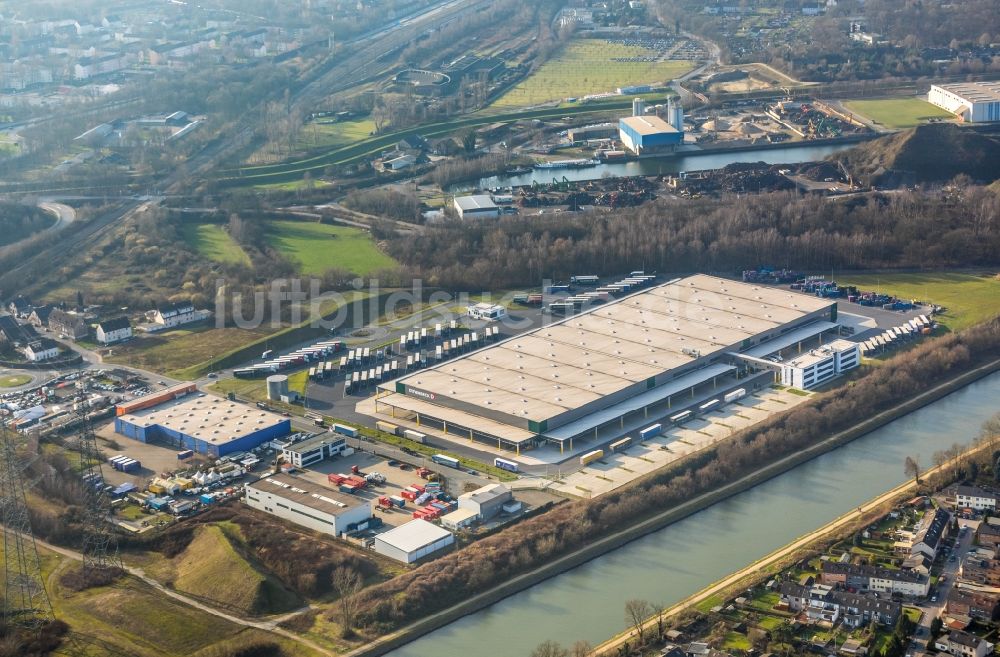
x=781, y=229
x=535, y=541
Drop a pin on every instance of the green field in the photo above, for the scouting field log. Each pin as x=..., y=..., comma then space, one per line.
x=14, y=380
x=586, y=66
x=211, y=241
x=969, y=299
x=338, y=133
x=897, y=112
x=318, y=247
x=170, y=351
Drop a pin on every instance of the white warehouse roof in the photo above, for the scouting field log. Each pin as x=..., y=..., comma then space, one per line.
x=413, y=535
x=477, y=202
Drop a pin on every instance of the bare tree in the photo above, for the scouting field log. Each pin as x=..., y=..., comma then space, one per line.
x=549, y=649
x=347, y=582
x=636, y=612
x=660, y=610
x=911, y=466
x=581, y=649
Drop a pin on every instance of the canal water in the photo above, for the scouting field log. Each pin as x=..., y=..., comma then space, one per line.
x=667, y=566
x=665, y=165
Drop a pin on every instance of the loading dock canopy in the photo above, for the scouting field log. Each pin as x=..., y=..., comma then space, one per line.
x=637, y=403
x=790, y=338
x=460, y=419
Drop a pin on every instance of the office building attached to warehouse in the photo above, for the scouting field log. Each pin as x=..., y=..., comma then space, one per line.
x=672, y=351
x=187, y=419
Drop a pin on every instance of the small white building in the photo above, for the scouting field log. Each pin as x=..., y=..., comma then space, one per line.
x=175, y=314
x=487, y=311
x=476, y=207
x=973, y=102
x=308, y=504
x=487, y=501
x=398, y=162
x=40, y=350
x=459, y=519
x=820, y=365
x=114, y=330
x=413, y=541
x=963, y=644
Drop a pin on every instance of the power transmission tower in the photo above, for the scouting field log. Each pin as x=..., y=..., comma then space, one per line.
x=25, y=602
x=100, y=546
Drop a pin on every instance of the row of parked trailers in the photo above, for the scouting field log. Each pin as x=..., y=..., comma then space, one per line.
x=921, y=325
x=422, y=336
x=656, y=429
x=579, y=302
x=123, y=463
x=315, y=352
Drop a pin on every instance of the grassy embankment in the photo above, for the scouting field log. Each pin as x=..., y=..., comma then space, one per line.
x=969, y=298
x=588, y=66
x=897, y=113
x=211, y=241
x=317, y=247
x=133, y=618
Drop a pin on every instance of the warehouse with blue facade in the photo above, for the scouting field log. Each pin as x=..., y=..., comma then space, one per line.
x=649, y=134
x=208, y=425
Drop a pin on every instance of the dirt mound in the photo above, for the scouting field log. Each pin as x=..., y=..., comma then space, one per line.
x=930, y=153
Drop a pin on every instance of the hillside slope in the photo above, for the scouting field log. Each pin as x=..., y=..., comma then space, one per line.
x=931, y=153
x=213, y=569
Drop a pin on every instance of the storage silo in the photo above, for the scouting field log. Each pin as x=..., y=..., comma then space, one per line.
x=277, y=386
x=638, y=107
x=675, y=115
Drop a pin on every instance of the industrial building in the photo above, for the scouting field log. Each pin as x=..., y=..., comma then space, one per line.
x=308, y=504
x=672, y=351
x=313, y=450
x=478, y=206
x=821, y=364
x=647, y=134
x=486, y=502
x=972, y=102
x=192, y=420
x=413, y=541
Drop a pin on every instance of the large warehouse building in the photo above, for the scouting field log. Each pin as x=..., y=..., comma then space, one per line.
x=308, y=504
x=648, y=134
x=671, y=351
x=191, y=420
x=413, y=541
x=973, y=102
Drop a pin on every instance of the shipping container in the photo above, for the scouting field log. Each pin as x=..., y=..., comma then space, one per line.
x=680, y=417
x=415, y=436
x=734, y=395
x=651, y=431
x=346, y=430
x=444, y=459
x=585, y=280
x=619, y=445
x=504, y=464
x=590, y=457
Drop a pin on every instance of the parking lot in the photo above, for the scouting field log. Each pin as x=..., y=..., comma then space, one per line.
x=616, y=470
x=396, y=480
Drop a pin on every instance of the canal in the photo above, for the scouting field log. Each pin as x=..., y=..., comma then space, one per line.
x=669, y=565
x=665, y=165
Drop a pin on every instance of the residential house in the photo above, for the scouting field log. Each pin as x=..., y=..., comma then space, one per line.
x=69, y=324
x=396, y=162
x=917, y=563
x=975, y=498
x=932, y=530
x=411, y=143
x=39, y=316
x=988, y=534
x=114, y=330
x=19, y=306
x=672, y=650
x=699, y=649
x=175, y=314
x=41, y=349
x=16, y=334
x=964, y=644
x=875, y=578
x=972, y=603
x=981, y=570
x=823, y=603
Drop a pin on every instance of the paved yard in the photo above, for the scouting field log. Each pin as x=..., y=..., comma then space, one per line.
x=616, y=470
